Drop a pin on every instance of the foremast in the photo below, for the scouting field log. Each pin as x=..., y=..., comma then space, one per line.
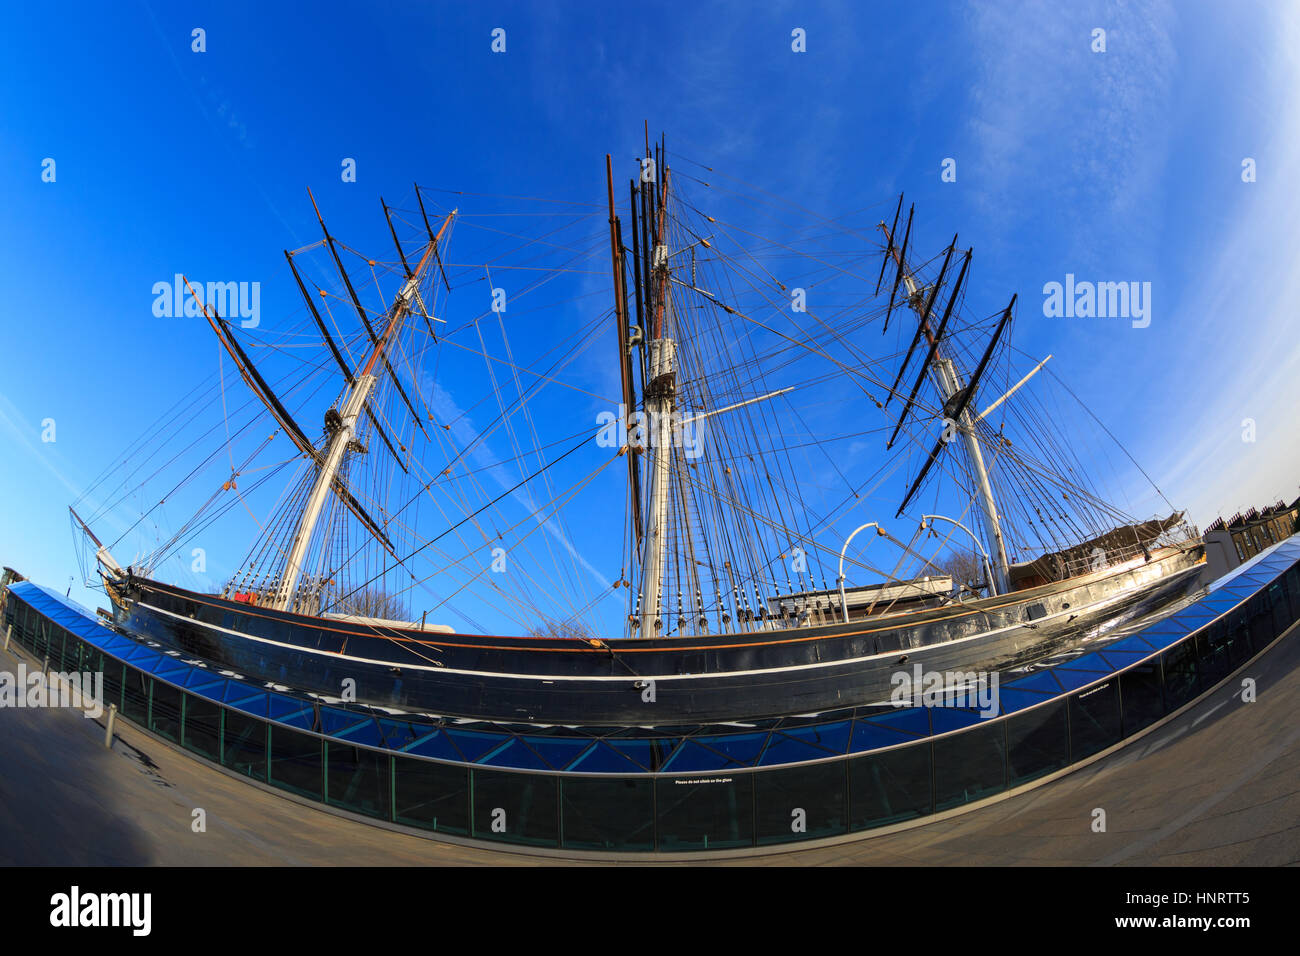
x=343, y=435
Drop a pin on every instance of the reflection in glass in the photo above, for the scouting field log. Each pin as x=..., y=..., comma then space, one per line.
x=357, y=779
x=701, y=813
x=1141, y=696
x=1037, y=743
x=295, y=762
x=969, y=766
x=801, y=803
x=244, y=744
x=434, y=796
x=609, y=813
x=202, y=727
x=889, y=786
x=515, y=807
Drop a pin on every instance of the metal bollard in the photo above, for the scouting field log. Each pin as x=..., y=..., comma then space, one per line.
x=9, y=632
x=108, y=726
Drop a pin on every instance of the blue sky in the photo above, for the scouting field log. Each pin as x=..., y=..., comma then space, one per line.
x=1122, y=165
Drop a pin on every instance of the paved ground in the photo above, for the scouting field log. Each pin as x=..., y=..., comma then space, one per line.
x=1219, y=786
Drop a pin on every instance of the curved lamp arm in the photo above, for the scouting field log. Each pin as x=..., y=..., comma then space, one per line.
x=988, y=565
x=844, y=601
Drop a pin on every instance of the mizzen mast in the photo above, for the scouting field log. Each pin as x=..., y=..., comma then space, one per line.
x=955, y=393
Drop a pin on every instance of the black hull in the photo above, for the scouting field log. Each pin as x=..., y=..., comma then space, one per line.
x=659, y=682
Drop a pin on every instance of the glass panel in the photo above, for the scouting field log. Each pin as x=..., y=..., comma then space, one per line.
x=112, y=682
x=135, y=696
x=1141, y=697
x=1281, y=609
x=244, y=744
x=1181, y=679
x=202, y=727
x=1037, y=743
x=357, y=779
x=165, y=711
x=295, y=762
x=888, y=787
x=969, y=766
x=610, y=813
x=1094, y=720
x=434, y=796
x=515, y=807
x=801, y=803
x=702, y=813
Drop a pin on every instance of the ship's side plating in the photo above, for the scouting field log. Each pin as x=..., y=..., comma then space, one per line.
x=665, y=680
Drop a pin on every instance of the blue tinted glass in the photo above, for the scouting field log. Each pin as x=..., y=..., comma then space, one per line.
x=515, y=754
x=1088, y=662
x=783, y=749
x=1071, y=679
x=869, y=736
x=833, y=738
x=1134, y=643
x=912, y=720
x=742, y=748
x=603, y=758
x=474, y=744
x=639, y=751
x=1013, y=698
x=1118, y=659
x=171, y=669
x=366, y=732
x=436, y=745
x=254, y=703
x=559, y=752
x=332, y=719
x=1161, y=637
x=953, y=718
x=1040, y=681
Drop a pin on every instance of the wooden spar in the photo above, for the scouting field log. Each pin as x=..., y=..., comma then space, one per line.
x=958, y=405
x=320, y=323
x=890, y=246
x=901, y=256
x=400, y=254
x=922, y=327
x=620, y=317
x=398, y=310
x=934, y=348
x=429, y=229
x=636, y=258
x=342, y=436
x=338, y=263
x=1014, y=388
x=356, y=302
x=253, y=378
x=661, y=277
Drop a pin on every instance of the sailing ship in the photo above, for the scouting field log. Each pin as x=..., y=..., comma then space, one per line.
x=733, y=599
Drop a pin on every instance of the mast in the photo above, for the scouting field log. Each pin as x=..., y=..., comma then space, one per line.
x=951, y=389
x=659, y=390
x=343, y=434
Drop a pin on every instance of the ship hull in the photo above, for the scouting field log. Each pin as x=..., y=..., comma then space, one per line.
x=663, y=681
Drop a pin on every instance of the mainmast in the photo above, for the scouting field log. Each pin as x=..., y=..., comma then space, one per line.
x=956, y=395
x=343, y=430
x=658, y=394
